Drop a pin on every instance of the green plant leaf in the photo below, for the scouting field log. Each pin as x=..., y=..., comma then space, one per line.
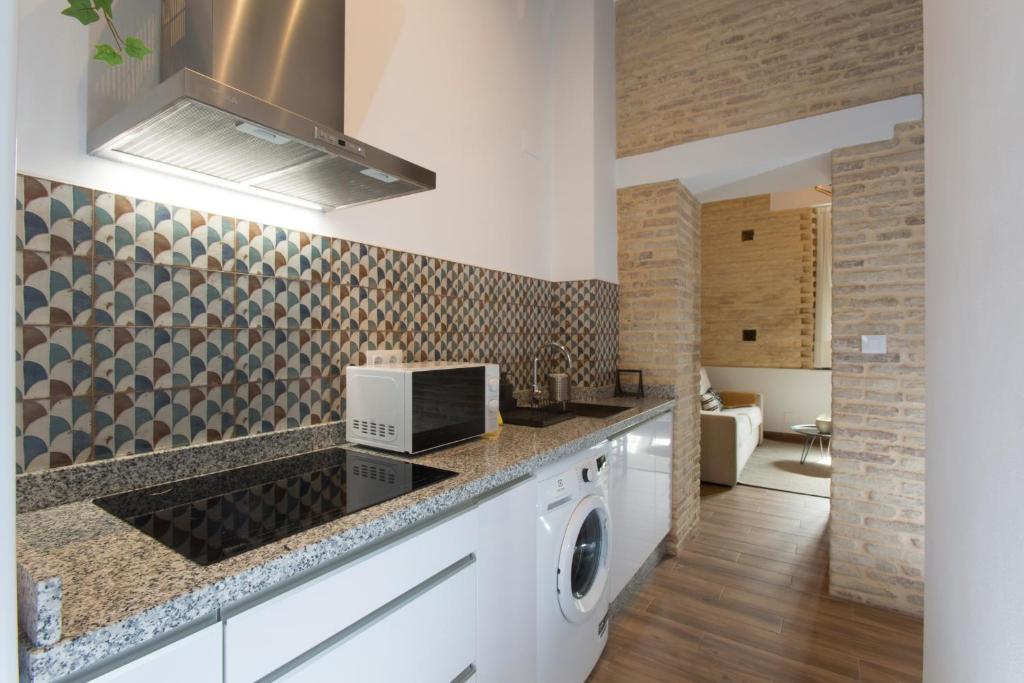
x=105, y=6
x=81, y=10
x=134, y=47
x=106, y=53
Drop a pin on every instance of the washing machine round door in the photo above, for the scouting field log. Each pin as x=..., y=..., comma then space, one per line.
x=583, y=560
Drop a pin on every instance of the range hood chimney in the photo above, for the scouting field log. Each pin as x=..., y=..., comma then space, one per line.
x=244, y=94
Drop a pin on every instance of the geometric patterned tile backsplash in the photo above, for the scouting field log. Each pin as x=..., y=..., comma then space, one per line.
x=143, y=326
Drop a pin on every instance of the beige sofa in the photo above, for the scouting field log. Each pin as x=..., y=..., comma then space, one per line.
x=728, y=437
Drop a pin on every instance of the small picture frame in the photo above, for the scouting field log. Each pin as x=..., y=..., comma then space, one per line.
x=619, y=391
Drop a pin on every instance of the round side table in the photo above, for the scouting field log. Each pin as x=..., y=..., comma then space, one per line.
x=812, y=434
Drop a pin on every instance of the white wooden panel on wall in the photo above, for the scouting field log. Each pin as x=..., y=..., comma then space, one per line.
x=639, y=494
x=506, y=579
x=273, y=633
x=429, y=640
x=197, y=658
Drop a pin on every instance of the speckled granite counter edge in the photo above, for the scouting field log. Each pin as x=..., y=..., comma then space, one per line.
x=63, y=485
x=39, y=607
x=68, y=656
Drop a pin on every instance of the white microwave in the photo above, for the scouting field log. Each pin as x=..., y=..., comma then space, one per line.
x=417, y=407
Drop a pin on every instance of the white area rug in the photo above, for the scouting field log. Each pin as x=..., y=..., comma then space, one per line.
x=776, y=465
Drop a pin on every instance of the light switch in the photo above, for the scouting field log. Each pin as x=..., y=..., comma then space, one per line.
x=872, y=343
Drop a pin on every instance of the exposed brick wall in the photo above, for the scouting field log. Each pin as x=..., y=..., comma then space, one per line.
x=701, y=68
x=765, y=284
x=659, y=319
x=878, y=402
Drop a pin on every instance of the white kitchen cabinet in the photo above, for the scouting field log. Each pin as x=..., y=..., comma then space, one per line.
x=506, y=576
x=195, y=658
x=273, y=633
x=640, y=496
x=429, y=639
x=454, y=600
x=661, y=449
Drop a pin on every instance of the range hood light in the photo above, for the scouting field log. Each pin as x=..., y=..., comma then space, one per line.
x=261, y=133
x=379, y=175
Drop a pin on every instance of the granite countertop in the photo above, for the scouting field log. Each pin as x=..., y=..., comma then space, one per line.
x=119, y=588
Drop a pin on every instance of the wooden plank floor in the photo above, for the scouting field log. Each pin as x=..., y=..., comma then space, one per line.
x=747, y=600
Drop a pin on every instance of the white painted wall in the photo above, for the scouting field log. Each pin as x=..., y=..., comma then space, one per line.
x=580, y=140
x=458, y=86
x=606, y=218
x=799, y=199
x=801, y=174
x=8, y=600
x=974, y=157
x=791, y=396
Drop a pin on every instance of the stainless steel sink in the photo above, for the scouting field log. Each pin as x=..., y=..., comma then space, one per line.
x=535, y=417
x=547, y=416
x=593, y=409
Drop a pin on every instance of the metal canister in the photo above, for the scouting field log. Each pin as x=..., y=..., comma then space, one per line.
x=558, y=387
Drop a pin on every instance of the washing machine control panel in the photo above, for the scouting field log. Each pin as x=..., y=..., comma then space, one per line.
x=593, y=471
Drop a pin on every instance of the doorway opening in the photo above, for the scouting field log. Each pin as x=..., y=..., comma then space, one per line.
x=766, y=340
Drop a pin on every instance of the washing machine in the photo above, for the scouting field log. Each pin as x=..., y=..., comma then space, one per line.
x=573, y=542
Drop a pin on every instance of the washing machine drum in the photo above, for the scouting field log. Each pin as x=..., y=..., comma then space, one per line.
x=583, y=560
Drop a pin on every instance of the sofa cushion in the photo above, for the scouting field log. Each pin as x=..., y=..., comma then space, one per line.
x=705, y=383
x=748, y=419
x=710, y=401
x=739, y=399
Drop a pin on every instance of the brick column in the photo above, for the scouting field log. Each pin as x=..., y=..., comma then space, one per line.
x=878, y=401
x=659, y=320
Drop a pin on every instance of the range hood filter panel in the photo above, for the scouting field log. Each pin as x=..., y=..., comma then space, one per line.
x=334, y=181
x=202, y=139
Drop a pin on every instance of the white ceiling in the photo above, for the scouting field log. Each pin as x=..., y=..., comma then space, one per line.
x=800, y=174
x=771, y=159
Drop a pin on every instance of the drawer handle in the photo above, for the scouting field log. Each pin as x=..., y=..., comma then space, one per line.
x=466, y=674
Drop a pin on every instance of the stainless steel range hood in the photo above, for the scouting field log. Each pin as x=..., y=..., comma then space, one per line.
x=247, y=94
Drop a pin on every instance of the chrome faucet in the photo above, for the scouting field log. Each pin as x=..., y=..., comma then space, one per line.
x=537, y=393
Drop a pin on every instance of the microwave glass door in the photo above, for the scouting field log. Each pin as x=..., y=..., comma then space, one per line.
x=447, y=406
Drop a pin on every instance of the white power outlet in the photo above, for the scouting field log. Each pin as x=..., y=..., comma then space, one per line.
x=384, y=357
x=874, y=344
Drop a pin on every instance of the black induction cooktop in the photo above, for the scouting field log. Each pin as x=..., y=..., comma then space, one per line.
x=216, y=516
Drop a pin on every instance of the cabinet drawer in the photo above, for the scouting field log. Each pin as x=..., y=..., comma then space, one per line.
x=273, y=633
x=430, y=639
x=195, y=658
